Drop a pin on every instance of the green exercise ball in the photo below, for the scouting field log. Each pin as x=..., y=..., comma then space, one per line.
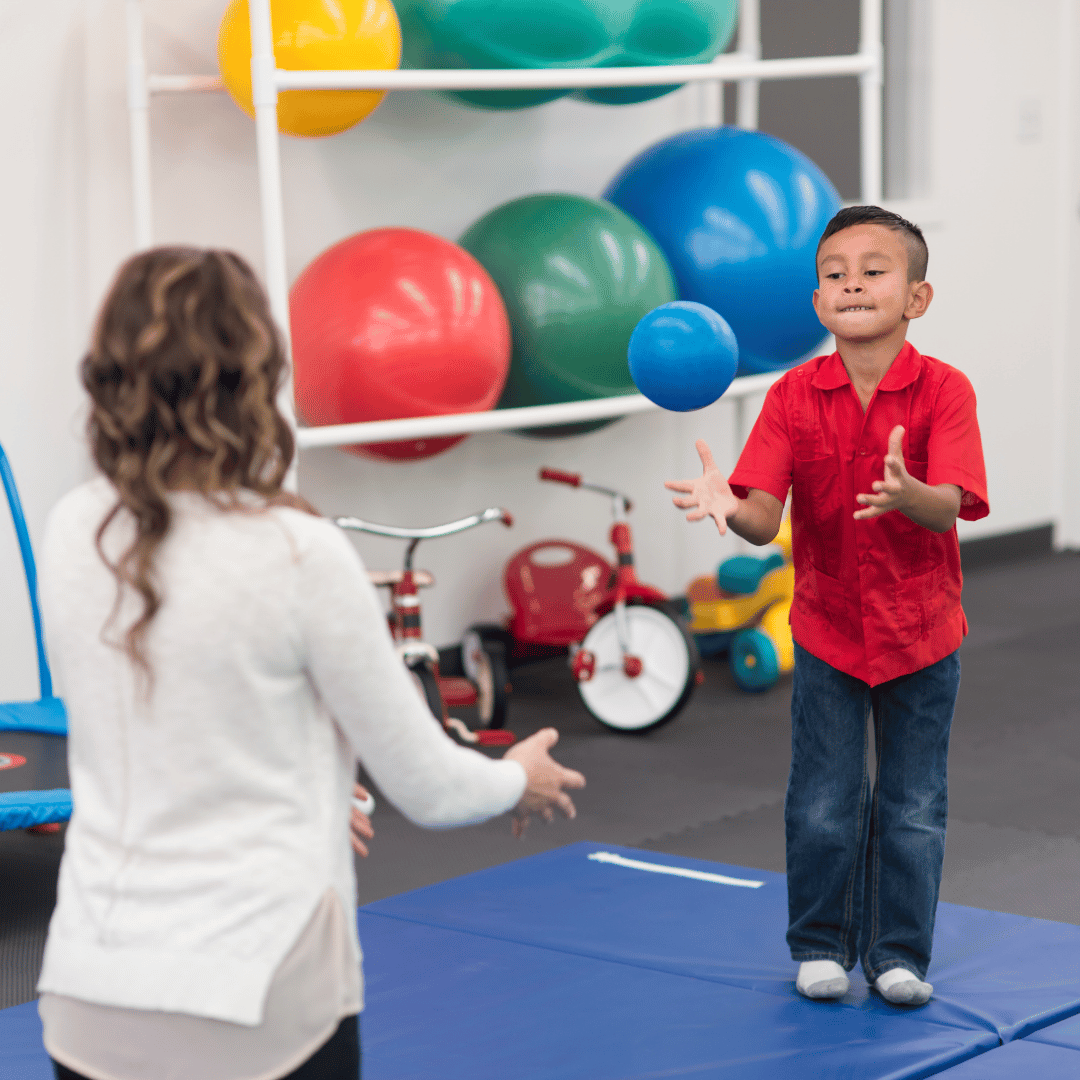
x=562, y=34
x=576, y=276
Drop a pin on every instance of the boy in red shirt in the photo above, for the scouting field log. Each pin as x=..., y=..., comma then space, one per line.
x=880, y=448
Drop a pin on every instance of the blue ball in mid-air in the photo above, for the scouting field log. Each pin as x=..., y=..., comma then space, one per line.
x=683, y=356
x=738, y=215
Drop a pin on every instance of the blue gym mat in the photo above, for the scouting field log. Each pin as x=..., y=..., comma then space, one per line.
x=1023, y=1059
x=1002, y=973
x=1066, y=1033
x=22, y=1056
x=561, y=966
x=441, y=1003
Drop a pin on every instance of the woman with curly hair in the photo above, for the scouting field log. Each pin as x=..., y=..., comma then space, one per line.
x=225, y=662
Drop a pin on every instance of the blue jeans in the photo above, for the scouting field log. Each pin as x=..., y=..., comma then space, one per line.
x=864, y=869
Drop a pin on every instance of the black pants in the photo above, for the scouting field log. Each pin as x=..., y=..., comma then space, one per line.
x=336, y=1059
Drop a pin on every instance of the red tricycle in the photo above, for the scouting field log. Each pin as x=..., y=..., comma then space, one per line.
x=485, y=684
x=631, y=651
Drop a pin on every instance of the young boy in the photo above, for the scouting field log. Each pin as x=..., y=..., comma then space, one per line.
x=881, y=450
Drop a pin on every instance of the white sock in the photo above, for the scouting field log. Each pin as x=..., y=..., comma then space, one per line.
x=823, y=980
x=903, y=987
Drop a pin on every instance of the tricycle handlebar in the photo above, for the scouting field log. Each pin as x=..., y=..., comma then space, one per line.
x=493, y=513
x=557, y=476
x=576, y=480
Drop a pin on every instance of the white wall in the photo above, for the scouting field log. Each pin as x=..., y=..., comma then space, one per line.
x=1000, y=211
x=1000, y=216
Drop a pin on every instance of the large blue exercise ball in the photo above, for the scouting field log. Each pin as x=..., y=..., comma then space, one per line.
x=739, y=215
x=683, y=356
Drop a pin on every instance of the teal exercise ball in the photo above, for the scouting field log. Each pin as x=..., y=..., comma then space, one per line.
x=576, y=276
x=739, y=215
x=528, y=34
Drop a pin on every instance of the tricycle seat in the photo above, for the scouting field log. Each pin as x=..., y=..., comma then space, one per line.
x=554, y=587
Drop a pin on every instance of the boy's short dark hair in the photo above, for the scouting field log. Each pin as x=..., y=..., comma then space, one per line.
x=914, y=241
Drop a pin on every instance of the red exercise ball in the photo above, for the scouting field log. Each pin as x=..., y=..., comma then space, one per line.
x=393, y=323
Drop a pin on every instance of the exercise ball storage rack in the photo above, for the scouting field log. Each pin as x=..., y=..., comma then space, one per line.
x=744, y=67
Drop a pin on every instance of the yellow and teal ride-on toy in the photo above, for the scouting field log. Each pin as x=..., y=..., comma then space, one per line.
x=743, y=610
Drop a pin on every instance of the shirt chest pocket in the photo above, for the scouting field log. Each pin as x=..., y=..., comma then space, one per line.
x=817, y=511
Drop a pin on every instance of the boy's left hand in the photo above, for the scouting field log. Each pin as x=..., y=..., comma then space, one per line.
x=892, y=493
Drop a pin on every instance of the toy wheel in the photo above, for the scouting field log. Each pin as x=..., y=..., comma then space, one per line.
x=669, y=672
x=484, y=662
x=429, y=688
x=754, y=662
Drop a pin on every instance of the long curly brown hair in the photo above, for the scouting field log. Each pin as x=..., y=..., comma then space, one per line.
x=183, y=373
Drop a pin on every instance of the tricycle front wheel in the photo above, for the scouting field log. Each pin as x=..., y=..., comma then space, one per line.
x=668, y=674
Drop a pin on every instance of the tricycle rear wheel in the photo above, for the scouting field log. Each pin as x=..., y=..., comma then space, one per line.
x=484, y=662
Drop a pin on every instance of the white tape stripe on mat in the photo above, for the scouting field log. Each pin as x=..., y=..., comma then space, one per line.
x=676, y=871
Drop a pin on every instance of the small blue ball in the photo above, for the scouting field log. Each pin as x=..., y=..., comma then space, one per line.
x=683, y=356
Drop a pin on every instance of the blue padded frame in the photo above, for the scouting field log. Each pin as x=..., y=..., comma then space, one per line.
x=19, y=520
x=21, y=809
x=24, y=809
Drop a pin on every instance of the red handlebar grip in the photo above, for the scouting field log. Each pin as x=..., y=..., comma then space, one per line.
x=507, y=518
x=560, y=477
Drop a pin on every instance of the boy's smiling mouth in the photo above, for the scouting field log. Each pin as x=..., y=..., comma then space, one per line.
x=857, y=307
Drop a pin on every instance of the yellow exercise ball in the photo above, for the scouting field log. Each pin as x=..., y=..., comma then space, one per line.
x=310, y=34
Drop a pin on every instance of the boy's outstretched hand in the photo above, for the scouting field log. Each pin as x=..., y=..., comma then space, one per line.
x=935, y=507
x=708, y=495
x=893, y=492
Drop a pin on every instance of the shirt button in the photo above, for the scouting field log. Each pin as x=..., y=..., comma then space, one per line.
x=862, y=451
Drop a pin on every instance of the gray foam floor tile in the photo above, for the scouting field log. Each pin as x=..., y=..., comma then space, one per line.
x=754, y=838
x=28, y=869
x=1013, y=870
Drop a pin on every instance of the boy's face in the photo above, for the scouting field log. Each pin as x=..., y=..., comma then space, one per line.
x=863, y=293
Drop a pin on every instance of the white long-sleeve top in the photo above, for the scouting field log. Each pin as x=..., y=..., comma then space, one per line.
x=211, y=816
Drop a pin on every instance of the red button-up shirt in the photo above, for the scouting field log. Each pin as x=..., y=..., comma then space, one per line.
x=877, y=598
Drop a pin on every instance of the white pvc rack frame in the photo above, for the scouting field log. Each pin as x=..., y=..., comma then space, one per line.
x=744, y=67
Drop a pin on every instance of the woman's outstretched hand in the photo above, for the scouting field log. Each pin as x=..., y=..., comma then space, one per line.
x=708, y=495
x=359, y=823
x=545, y=780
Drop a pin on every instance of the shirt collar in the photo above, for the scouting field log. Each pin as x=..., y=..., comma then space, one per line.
x=903, y=371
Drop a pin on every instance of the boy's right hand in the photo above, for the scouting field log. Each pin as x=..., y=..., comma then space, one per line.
x=545, y=780
x=709, y=494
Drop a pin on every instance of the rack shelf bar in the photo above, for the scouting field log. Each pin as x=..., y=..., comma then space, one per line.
x=726, y=68
x=731, y=67
x=572, y=412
